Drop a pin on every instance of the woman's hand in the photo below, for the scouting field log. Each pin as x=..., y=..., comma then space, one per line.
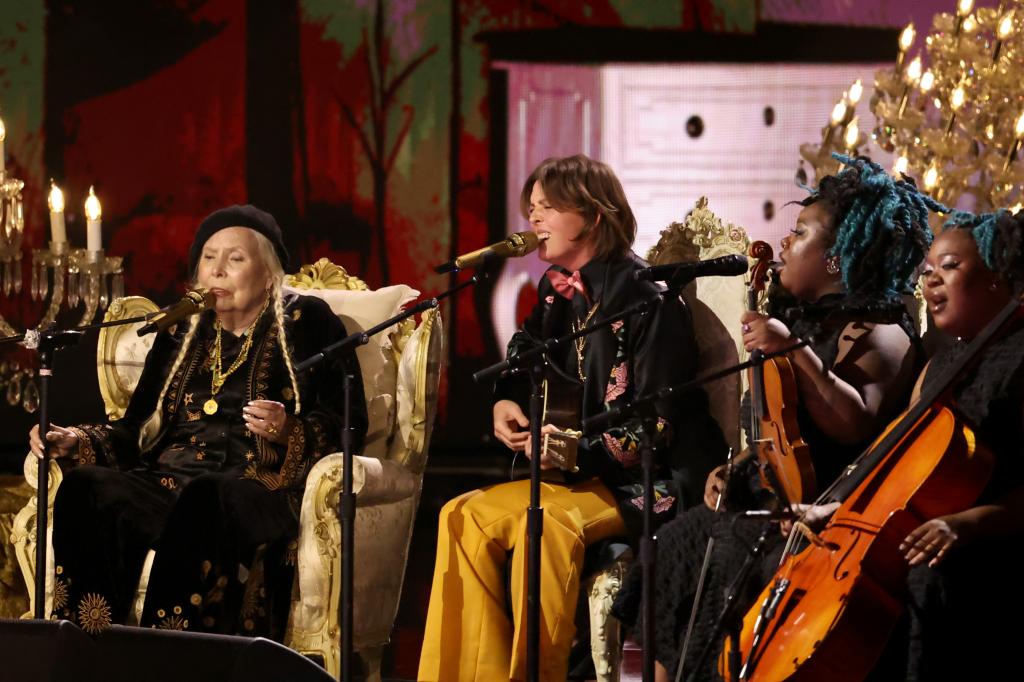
x=545, y=460
x=765, y=333
x=932, y=540
x=509, y=422
x=714, y=487
x=268, y=419
x=814, y=516
x=64, y=441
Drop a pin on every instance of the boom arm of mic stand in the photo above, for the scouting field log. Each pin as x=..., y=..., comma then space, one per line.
x=531, y=356
x=362, y=338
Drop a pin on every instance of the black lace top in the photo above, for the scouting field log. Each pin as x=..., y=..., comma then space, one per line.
x=991, y=399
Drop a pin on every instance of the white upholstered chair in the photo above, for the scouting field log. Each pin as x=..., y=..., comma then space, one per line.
x=716, y=304
x=400, y=372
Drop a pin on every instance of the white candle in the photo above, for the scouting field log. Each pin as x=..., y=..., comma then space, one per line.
x=93, y=212
x=56, y=201
x=3, y=134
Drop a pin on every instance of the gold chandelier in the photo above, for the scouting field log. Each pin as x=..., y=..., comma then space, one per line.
x=954, y=119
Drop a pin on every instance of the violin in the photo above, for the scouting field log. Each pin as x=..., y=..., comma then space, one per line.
x=831, y=606
x=784, y=459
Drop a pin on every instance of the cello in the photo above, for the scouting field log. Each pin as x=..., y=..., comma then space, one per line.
x=830, y=608
x=784, y=459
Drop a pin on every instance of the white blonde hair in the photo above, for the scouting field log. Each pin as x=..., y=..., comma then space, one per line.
x=267, y=255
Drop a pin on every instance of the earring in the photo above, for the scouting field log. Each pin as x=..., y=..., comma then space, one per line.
x=993, y=286
x=832, y=266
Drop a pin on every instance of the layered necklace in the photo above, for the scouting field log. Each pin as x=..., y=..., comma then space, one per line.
x=581, y=343
x=218, y=375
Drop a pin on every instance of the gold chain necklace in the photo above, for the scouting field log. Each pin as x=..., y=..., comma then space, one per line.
x=581, y=342
x=218, y=376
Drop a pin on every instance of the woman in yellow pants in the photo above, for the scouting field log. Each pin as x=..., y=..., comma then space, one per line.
x=579, y=209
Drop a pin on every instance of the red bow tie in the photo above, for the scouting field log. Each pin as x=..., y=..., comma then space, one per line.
x=567, y=285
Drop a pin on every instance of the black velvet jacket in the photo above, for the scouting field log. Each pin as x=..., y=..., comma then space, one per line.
x=191, y=441
x=631, y=358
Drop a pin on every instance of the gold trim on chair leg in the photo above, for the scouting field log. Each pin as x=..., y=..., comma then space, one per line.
x=23, y=534
x=605, y=637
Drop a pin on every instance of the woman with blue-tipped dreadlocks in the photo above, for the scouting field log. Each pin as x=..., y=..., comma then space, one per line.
x=858, y=241
x=961, y=569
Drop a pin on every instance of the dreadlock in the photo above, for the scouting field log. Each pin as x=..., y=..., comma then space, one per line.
x=999, y=237
x=880, y=226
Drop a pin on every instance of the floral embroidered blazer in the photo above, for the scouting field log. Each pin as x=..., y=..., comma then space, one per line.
x=191, y=441
x=634, y=357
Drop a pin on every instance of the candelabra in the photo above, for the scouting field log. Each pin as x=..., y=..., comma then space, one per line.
x=12, y=227
x=957, y=125
x=64, y=275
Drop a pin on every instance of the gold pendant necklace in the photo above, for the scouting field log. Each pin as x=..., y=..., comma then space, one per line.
x=218, y=376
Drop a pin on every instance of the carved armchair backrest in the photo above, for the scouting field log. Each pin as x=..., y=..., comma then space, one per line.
x=716, y=304
x=360, y=308
x=121, y=353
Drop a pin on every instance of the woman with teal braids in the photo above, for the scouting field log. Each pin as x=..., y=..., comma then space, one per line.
x=961, y=571
x=858, y=240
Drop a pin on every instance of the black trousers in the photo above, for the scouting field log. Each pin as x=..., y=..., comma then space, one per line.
x=222, y=551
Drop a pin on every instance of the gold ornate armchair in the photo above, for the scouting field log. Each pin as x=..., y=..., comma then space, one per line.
x=400, y=372
x=716, y=304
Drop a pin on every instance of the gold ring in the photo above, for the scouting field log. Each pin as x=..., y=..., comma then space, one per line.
x=271, y=429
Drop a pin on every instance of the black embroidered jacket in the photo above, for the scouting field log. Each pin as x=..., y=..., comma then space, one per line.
x=191, y=441
x=633, y=357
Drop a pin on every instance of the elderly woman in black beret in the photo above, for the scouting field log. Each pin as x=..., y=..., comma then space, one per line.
x=208, y=464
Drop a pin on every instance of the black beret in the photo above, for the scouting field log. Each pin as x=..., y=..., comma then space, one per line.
x=238, y=216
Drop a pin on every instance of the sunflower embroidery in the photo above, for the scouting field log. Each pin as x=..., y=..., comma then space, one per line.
x=60, y=594
x=93, y=613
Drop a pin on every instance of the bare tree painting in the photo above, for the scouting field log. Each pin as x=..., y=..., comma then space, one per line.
x=381, y=153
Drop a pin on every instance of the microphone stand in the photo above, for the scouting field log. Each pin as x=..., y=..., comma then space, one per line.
x=644, y=408
x=534, y=362
x=46, y=343
x=347, y=501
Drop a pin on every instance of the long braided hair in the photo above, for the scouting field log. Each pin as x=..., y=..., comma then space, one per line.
x=999, y=237
x=880, y=227
x=151, y=429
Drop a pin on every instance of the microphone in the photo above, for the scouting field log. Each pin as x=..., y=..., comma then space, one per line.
x=890, y=312
x=682, y=272
x=515, y=245
x=195, y=301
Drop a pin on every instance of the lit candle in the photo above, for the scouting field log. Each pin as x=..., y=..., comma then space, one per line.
x=927, y=81
x=837, y=117
x=93, y=212
x=913, y=78
x=931, y=177
x=963, y=8
x=956, y=101
x=856, y=91
x=900, y=167
x=852, y=135
x=906, y=42
x=56, y=202
x=1018, y=132
x=1003, y=32
x=3, y=135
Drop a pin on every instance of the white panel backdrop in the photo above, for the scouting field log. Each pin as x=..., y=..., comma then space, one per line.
x=738, y=161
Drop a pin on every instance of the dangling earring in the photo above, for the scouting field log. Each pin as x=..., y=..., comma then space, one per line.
x=832, y=266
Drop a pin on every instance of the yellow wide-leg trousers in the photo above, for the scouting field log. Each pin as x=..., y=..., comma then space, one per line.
x=469, y=634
